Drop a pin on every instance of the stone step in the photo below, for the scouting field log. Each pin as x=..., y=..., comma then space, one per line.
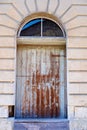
x=60, y=125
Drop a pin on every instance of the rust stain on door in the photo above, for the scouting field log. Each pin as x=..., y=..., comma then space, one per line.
x=38, y=82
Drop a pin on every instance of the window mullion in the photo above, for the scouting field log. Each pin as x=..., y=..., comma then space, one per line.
x=41, y=27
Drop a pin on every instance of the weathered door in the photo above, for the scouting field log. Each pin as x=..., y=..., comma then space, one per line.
x=40, y=81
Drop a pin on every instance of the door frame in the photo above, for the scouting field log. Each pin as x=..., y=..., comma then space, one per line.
x=41, y=41
x=52, y=41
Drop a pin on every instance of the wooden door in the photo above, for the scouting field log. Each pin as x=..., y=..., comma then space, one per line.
x=39, y=81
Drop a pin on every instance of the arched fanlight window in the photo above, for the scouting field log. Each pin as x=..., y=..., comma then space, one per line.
x=42, y=27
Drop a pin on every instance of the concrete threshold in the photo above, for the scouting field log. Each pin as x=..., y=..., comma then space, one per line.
x=40, y=120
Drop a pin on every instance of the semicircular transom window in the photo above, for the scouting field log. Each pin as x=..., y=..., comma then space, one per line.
x=42, y=27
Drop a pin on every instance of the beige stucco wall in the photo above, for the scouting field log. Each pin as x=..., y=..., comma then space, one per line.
x=73, y=16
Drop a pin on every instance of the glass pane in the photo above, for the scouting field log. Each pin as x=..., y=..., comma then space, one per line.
x=51, y=29
x=32, y=28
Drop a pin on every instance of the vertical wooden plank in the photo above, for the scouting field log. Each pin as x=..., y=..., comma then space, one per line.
x=48, y=86
x=49, y=79
x=53, y=82
x=23, y=97
x=31, y=89
x=45, y=85
x=36, y=110
x=24, y=86
x=19, y=81
x=52, y=101
x=34, y=82
x=43, y=80
x=38, y=77
x=28, y=79
x=38, y=99
x=57, y=83
x=42, y=100
x=55, y=72
x=26, y=82
x=46, y=108
x=40, y=82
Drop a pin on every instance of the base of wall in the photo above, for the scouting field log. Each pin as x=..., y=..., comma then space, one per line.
x=78, y=124
x=6, y=124
x=74, y=124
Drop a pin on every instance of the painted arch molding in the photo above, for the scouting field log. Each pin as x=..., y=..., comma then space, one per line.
x=14, y=12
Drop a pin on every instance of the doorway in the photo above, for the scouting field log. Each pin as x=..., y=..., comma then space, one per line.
x=41, y=70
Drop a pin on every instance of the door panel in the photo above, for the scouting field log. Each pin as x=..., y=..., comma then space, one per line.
x=39, y=81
